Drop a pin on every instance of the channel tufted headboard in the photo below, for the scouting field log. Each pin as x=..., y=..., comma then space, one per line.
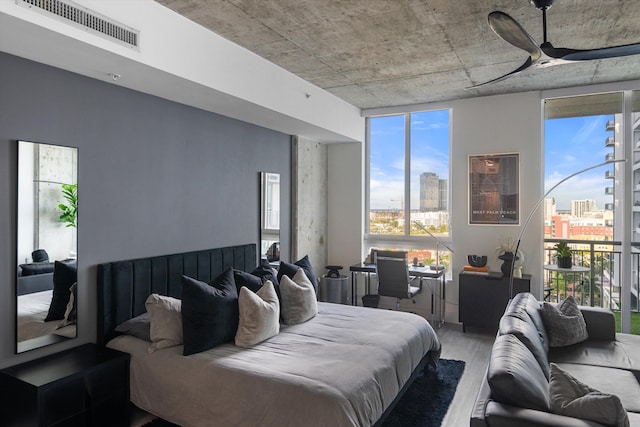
x=123, y=286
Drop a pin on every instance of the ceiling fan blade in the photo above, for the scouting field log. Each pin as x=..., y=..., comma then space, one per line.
x=524, y=66
x=603, y=53
x=510, y=31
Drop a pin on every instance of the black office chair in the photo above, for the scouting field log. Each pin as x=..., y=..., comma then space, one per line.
x=393, y=278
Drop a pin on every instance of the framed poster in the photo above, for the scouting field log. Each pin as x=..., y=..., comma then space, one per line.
x=494, y=189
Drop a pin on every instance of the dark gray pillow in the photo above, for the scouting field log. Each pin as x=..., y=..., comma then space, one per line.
x=210, y=313
x=65, y=274
x=251, y=282
x=265, y=272
x=515, y=377
x=139, y=327
x=564, y=323
x=290, y=270
x=573, y=398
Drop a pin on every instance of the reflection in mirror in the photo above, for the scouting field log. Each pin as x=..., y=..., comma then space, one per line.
x=270, y=216
x=46, y=244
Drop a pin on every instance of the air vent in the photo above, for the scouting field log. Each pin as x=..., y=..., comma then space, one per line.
x=73, y=13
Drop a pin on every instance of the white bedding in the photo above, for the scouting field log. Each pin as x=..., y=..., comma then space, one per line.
x=342, y=368
x=32, y=310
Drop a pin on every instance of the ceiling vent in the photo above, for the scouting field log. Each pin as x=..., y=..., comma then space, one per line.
x=80, y=16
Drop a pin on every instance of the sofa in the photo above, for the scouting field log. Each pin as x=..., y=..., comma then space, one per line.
x=524, y=371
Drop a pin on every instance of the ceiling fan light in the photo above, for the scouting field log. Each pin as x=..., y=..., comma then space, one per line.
x=542, y=4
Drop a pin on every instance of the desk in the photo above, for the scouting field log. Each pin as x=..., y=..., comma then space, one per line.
x=572, y=274
x=421, y=272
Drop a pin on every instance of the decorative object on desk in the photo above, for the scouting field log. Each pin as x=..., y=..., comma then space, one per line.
x=415, y=261
x=541, y=199
x=508, y=253
x=484, y=270
x=517, y=271
x=477, y=260
x=563, y=255
x=507, y=263
x=333, y=271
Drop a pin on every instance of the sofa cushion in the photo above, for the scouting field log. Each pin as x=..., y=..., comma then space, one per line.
x=527, y=308
x=571, y=397
x=528, y=335
x=564, y=322
x=515, y=376
x=620, y=382
x=598, y=353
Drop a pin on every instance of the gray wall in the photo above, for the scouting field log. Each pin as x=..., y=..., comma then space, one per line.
x=155, y=177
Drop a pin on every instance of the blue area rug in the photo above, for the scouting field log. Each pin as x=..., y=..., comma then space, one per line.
x=423, y=405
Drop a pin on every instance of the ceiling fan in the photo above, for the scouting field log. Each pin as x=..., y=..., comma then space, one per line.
x=546, y=54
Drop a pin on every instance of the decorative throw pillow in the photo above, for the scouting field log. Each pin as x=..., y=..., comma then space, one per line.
x=165, y=321
x=298, y=303
x=139, y=326
x=65, y=274
x=71, y=313
x=259, y=315
x=573, y=398
x=564, y=323
x=290, y=270
x=265, y=272
x=209, y=312
x=242, y=278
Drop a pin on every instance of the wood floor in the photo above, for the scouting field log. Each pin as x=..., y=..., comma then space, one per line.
x=471, y=347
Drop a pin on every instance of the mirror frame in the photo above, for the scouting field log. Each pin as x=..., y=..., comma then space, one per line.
x=269, y=220
x=47, y=338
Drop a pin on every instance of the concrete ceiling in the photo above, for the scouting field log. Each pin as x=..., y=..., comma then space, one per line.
x=380, y=53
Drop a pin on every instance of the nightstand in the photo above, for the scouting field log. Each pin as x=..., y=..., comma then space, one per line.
x=84, y=386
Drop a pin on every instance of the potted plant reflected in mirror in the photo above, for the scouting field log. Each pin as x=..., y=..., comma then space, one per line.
x=563, y=255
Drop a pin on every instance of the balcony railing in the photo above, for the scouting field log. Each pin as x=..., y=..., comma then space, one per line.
x=597, y=286
x=609, y=174
x=609, y=141
x=611, y=125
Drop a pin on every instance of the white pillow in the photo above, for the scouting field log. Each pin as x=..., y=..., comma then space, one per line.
x=571, y=397
x=298, y=302
x=259, y=315
x=165, y=315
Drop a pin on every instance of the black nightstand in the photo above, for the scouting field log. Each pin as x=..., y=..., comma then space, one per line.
x=83, y=386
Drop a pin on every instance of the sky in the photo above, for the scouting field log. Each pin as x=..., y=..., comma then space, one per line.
x=571, y=144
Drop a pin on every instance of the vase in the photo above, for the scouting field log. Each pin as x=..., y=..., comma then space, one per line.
x=507, y=260
x=564, y=262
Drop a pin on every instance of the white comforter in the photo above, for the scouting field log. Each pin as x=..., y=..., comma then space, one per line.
x=32, y=310
x=342, y=368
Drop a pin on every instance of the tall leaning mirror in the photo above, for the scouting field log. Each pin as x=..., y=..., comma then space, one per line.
x=270, y=216
x=47, y=237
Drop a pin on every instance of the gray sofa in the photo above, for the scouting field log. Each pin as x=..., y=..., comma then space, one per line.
x=606, y=361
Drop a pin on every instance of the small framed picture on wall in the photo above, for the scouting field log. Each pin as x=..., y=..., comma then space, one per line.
x=494, y=189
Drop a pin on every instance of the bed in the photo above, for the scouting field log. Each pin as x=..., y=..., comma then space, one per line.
x=32, y=311
x=347, y=366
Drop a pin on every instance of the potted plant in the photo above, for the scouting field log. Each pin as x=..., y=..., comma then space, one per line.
x=563, y=255
x=70, y=210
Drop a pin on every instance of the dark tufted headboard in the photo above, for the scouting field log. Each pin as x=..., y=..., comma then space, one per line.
x=123, y=286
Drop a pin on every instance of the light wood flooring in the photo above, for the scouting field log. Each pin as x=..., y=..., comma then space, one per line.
x=471, y=347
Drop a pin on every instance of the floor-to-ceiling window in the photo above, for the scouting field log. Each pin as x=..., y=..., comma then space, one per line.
x=408, y=183
x=592, y=211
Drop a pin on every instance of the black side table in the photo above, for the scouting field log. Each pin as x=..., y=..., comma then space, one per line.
x=84, y=386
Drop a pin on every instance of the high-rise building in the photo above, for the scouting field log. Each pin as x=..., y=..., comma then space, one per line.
x=433, y=192
x=580, y=207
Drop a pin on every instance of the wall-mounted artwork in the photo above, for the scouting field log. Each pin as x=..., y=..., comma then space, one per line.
x=494, y=189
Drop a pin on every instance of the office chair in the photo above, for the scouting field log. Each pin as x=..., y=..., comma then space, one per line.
x=393, y=278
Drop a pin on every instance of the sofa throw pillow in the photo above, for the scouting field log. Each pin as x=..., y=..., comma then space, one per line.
x=259, y=315
x=165, y=319
x=571, y=397
x=139, y=327
x=564, y=323
x=65, y=274
x=515, y=377
x=209, y=312
x=298, y=303
x=290, y=270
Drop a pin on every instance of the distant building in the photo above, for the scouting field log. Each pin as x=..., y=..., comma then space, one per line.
x=579, y=208
x=433, y=193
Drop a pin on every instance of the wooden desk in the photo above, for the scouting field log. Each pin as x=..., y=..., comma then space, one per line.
x=435, y=286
